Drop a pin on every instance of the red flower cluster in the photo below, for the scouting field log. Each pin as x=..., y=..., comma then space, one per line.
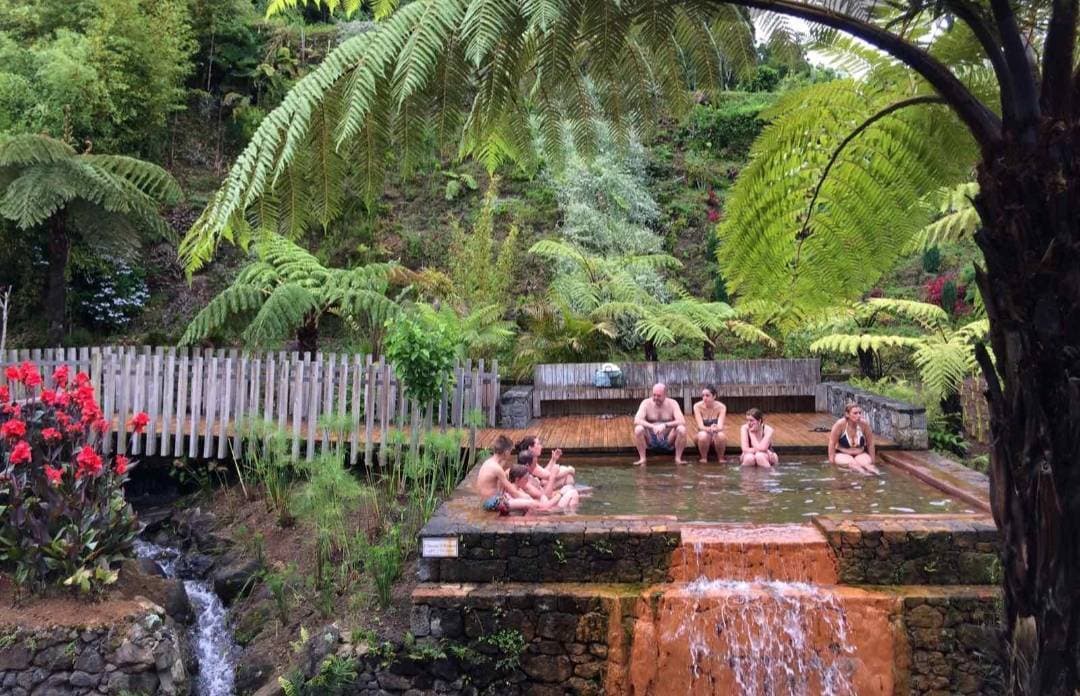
x=89, y=462
x=27, y=373
x=20, y=453
x=13, y=429
x=138, y=422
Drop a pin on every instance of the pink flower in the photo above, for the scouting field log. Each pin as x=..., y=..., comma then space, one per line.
x=60, y=377
x=12, y=373
x=13, y=429
x=5, y=394
x=20, y=453
x=89, y=462
x=52, y=435
x=101, y=425
x=54, y=474
x=82, y=379
x=48, y=397
x=121, y=464
x=138, y=422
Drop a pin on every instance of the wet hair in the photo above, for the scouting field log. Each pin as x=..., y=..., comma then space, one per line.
x=517, y=472
x=502, y=445
x=525, y=457
x=709, y=388
x=526, y=442
x=850, y=405
x=757, y=414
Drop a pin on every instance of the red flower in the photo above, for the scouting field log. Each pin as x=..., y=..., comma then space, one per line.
x=89, y=462
x=54, y=474
x=48, y=397
x=138, y=422
x=713, y=215
x=13, y=429
x=121, y=464
x=5, y=394
x=12, y=373
x=29, y=374
x=101, y=425
x=52, y=435
x=62, y=419
x=11, y=409
x=60, y=376
x=20, y=453
x=82, y=379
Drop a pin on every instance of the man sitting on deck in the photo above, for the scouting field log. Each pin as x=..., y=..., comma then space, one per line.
x=496, y=489
x=564, y=475
x=659, y=425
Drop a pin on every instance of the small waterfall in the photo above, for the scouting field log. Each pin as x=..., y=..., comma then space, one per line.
x=211, y=634
x=757, y=611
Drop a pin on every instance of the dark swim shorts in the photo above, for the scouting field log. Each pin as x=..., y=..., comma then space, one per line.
x=659, y=442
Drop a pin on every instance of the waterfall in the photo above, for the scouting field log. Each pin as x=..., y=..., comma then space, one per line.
x=757, y=611
x=211, y=634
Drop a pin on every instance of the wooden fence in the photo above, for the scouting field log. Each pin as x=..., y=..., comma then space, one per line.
x=196, y=399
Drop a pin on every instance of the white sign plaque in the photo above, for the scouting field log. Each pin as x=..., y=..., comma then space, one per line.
x=439, y=547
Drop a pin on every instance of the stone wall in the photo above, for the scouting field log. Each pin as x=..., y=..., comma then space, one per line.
x=903, y=423
x=515, y=408
x=142, y=653
x=955, y=643
x=914, y=550
x=599, y=550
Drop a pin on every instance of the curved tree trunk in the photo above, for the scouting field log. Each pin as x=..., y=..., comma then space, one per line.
x=651, y=354
x=868, y=365
x=1029, y=202
x=307, y=336
x=59, y=249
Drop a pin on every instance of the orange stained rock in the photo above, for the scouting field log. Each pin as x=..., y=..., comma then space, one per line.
x=790, y=553
x=753, y=638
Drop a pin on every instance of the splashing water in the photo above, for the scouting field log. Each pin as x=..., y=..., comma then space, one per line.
x=211, y=634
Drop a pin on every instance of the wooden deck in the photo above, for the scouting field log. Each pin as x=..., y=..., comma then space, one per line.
x=794, y=433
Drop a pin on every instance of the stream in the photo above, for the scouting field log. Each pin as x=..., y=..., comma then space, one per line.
x=211, y=634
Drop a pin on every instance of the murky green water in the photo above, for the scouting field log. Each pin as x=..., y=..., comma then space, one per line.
x=792, y=492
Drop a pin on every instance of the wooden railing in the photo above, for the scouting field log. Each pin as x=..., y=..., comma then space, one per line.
x=197, y=399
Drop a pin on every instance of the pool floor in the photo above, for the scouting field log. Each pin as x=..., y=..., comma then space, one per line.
x=791, y=492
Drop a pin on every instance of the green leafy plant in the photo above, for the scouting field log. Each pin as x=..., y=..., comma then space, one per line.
x=286, y=292
x=383, y=562
x=265, y=460
x=422, y=350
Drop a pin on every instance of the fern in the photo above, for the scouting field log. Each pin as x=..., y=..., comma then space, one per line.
x=286, y=288
x=958, y=218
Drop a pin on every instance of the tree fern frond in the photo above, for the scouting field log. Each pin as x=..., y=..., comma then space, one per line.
x=233, y=300
x=930, y=315
x=843, y=343
x=281, y=314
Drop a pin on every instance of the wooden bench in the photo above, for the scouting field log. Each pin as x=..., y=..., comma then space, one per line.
x=796, y=379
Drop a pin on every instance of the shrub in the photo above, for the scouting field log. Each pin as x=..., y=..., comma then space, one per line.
x=931, y=260
x=63, y=517
x=422, y=350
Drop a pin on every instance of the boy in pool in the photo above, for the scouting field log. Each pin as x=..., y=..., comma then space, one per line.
x=531, y=444
x=496, y=490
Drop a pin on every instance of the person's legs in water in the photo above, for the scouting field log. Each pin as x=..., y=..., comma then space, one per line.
x=864, y=465
x=719, y=442
x=763, y=459
x=748, y=459
x=676, y=440
x=640, y=442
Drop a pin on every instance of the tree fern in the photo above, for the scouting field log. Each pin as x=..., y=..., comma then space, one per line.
x=958, y=218
x=286, y=291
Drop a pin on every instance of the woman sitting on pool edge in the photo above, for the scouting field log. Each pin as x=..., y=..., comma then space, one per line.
x=709, y=414
x=851, y=442
x=756, y=440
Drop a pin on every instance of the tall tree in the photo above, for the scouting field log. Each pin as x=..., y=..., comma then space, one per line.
x=45, y=185
x=473, y=71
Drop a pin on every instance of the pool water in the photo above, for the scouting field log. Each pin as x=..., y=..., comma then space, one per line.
x=791, y=492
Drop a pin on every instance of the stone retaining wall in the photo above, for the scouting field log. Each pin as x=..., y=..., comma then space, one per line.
x=914, y=550
x=955, y=643
x=142, y=653
x=600, y=550
x=903, y=423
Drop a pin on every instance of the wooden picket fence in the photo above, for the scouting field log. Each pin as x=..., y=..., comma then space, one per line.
x=197, y=399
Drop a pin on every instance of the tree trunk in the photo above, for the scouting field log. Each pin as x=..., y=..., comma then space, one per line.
x=867, y=364
x=59, y=249
x=1029, y=202
x=307, y=336
x=651, y=353
x=708, y=351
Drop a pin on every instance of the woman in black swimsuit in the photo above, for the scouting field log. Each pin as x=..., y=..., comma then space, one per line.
x=709, y=414
x=851, y=442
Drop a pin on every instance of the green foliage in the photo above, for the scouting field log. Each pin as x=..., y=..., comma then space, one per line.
x=422, y=349
x=931, y=259
x=957, y=218
x=481, y=270
x=326, y=500
x=334, y=677
x=944, y=355
x=765, y=79
x=286, y=289
x=265, y=461
x=731, y=125
x=874, y=200
x=383, y=562
x=109, y=72
x=441, y=73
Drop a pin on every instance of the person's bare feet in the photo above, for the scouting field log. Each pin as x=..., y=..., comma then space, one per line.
x=680, y=461
x=640, y=462
x=703, y=461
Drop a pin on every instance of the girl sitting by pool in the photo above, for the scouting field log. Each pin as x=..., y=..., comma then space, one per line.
x=851, y=442
x=756, y=440
x=709, y=414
